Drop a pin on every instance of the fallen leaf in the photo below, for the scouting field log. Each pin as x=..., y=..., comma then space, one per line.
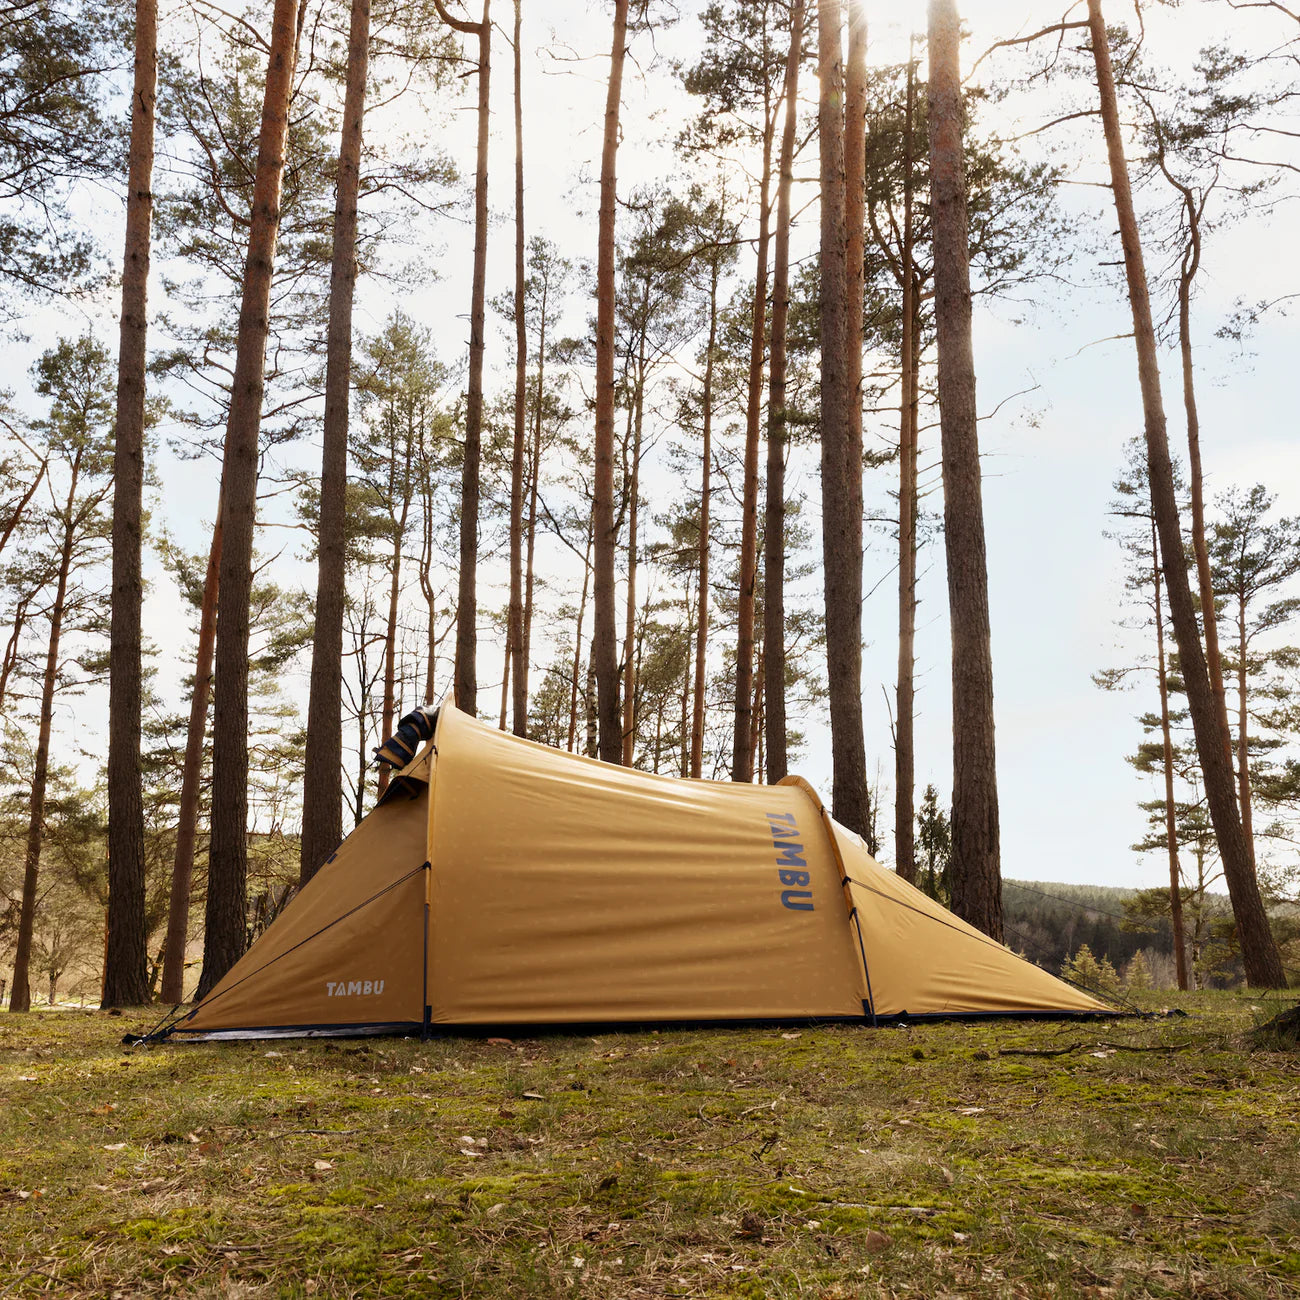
x=495, y=1209
x=116, y=1146
x=874, y=1242
x=971, y=1110
x=534, y=1096
x=500, y=1042
x=1137, y=1210
x=323, y=1164
x=27, y=1078
x=789, y=1038
x=272, y=1053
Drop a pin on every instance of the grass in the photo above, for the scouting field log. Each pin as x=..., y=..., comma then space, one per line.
x=1151, y=1158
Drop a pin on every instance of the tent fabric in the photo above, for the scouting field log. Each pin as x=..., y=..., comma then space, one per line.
x=506, y=882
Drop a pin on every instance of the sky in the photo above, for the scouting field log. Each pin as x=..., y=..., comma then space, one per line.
x=1068, y=798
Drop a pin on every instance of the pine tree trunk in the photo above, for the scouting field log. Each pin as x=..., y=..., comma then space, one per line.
x=742, y=737
x=178, y=913
x=1209, y=618
x=604, y=650
x=515, y=620
x=20, y=996
x=1171, y=824
x=467, y=602
x=976, y=872
x=841, y=460
x=633, y=514
x=426, y=568
x=904, y=731
x=1243, y=736
x=1260, y=957
x=125, y=975
x=388, y=714
x=322, y=792
x=225, y=930
x=774, y=718
x=533, y=484
x=706, y=501
x=577, y=646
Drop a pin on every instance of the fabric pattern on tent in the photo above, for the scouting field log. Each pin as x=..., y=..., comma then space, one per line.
x=508, y=883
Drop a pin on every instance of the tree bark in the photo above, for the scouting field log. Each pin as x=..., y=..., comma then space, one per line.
x=533, y=484
x=633, y=514
x=742, y=739
x=1190, y=264
x=1171, y=824
x=1243, y=734
x=604, y=650
x=706, y=498
x=577, y=646
x=178, y=912
x=126, y=981
x=516, y=616
x=905, y=694
x=225, y=932
x=841, y=459
x=20, y=996
x=774, y=717
x=388, y=714
x=322, y=792
x=976, y=870
x=466, y=680
x=1260, y=957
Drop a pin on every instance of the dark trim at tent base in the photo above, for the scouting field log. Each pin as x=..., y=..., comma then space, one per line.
x=390, y=1029
x=532, y=1029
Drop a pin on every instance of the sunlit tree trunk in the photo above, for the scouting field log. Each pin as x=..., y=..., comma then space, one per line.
x=1188, y=267
x=604, y=650
x=706, y=501
x=225, y=917
x=515, y=631
x=742, y=740
x=20, y=996
x=577, y=645
x=1259, y=952
x=322, y=793
x=841, y=458
x=535, y=470
x=126, y=981
x=1171, y=825
x=904, y=727
x=466, y=676
x=774, y=717
x=187, y=819
x=976, y=868
x=633, y=516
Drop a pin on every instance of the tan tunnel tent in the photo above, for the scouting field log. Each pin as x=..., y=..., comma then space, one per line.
x=504, y=883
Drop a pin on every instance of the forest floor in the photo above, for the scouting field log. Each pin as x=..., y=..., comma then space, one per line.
x=1123, y=1158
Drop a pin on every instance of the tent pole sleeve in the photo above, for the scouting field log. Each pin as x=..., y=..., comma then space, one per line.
x=868, y=1003
x=426, y=1017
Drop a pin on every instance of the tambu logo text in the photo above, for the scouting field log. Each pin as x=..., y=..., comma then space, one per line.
x=352, y=988
x=791, y=866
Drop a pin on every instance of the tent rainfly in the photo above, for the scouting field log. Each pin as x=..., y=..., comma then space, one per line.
x=502, y=882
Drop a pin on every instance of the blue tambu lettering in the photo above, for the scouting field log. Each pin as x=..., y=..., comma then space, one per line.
x=791, y=863
x=789, y=855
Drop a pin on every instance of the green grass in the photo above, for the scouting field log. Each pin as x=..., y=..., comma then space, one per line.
x=832, y=1162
